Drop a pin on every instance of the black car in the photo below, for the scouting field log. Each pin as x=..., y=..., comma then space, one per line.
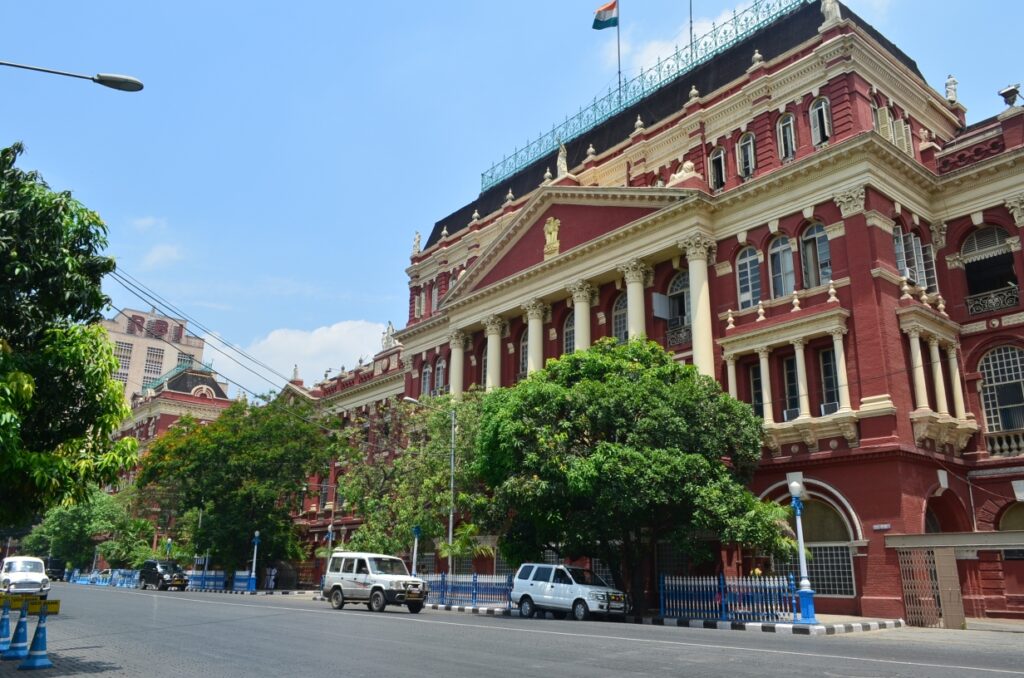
x=162, y=574
x=55, y=569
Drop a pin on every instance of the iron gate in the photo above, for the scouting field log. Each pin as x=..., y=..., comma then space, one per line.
x=931, y=587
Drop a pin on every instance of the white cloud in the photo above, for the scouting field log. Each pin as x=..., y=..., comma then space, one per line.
x=149, y=224
x=313, y=351
x=161, y=255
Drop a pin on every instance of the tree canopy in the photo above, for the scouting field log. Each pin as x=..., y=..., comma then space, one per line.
x=58, y=402
x=606, y=452
x=241, y=471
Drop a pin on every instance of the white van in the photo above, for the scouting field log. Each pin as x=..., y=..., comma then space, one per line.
x=563, y=589
x=374, y=579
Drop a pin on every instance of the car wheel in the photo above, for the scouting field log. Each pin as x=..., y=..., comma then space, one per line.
x=559, y=615
x=415, y=607
x=580, y=611
x=337, y=599
x=526, y=607
x=377, y=601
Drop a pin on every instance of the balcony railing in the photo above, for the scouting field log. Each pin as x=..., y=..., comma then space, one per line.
x=679, y=335
x=1005, y=443
x=1005, y=297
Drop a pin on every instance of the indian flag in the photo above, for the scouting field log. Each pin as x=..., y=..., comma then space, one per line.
x=607, y=16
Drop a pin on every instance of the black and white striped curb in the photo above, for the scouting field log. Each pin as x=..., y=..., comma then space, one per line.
x=765, y=627
x=250, y=593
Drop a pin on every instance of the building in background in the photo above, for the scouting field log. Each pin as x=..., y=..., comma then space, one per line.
x=148, y=346
x=792, y=209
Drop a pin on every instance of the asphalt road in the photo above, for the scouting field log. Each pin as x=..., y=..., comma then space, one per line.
x=121, y=632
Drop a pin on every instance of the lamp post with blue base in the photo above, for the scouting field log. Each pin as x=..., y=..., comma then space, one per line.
x=806, y=594
x=255, y=549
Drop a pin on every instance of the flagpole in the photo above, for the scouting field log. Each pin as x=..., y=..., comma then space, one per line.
x=618, y=47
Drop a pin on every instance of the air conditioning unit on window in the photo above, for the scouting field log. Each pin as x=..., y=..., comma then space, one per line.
x=790, y=414
x=829, y=408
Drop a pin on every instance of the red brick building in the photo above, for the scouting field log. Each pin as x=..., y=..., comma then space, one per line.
x=799, y=214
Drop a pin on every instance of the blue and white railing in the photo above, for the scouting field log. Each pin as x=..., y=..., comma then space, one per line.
x=764, y=599
x=473, y=590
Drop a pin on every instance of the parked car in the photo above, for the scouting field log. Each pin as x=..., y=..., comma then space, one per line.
x=562, y=589
x=372, y=578
x=56, y=569
x=162, y=574
x=24, y=574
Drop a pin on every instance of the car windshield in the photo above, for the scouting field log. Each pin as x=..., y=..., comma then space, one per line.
x=24, y=566
x=582, y=576
x=388, y=566
x=170, y=567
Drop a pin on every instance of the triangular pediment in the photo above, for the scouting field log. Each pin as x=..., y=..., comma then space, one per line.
x=581, y=215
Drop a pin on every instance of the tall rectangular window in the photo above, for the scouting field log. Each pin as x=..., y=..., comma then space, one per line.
x=792, y=384
x=123, y=353
x=756, y=394
x=829, y=381
x=185, y=358
x=154, y=364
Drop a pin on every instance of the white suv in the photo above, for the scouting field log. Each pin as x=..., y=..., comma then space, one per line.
x=372, y=578
x=23, y=574
x=563, y=589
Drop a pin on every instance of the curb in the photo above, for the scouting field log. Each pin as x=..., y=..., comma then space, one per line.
x=250, y=593
x=712, y=624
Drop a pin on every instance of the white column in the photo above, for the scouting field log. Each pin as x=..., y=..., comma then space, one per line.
x=457, y=341
x=766, y=385
x=937, y=380
x=917, y=365
x=581, y=292
x=535, y=311
x=493, y=326
x=699, y=249
x=730, y=366
x=635, y=272
x=954, y=381
x=801, y=378
x=844, y=381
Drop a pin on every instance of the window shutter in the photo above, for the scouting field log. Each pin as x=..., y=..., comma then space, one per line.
x=931, y=280
x=918, y=258
x=885, y=123
x=826, y=115
x=897, y=243
x=816, y=126
x=900, y=135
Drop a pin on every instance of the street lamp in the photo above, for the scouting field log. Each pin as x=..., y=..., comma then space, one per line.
x=124, y=83
x=451, y=478
x=796, y=490
x=255, y=548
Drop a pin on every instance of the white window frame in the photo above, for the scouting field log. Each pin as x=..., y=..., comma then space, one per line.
x=679, y=295
x=524, y=353
x=1000, y=367
x=440, y=371
x=786, y=131
x=746, y=157
x=569, y=333
x=815, y=255
x=425, y=379
x=620, y=318
x=780, y=264
x=717, y=169
x=748, y=278
x=821, y=121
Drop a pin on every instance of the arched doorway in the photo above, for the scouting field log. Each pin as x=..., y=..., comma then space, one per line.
x=828, y=538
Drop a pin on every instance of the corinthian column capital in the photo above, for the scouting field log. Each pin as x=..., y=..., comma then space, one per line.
x=635, y=271
x=581, y=292
x=457, y=339
x=698, y=247
x=535, y=309
x=494, y=324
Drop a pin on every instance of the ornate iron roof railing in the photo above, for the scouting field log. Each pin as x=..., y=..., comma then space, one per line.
x=715, y=41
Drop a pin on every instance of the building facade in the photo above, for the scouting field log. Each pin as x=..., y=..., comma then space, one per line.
x=148, y=345
x=799, y=215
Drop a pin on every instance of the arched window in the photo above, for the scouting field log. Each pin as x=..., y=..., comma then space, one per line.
x=440, y=374
x=780, y=262
x=748, y=277
x=814, y=252
x=821, y=121
x=1002, y=390
x=1013, y=517
x=425, y=380
x=745, y=160
x=914, y=259
x=717, y=171
x=569, y=333
x=787, y=137
x=620, y=320
x=679, y=300
x=827, y=538
x=524, y=354
x=988, y=266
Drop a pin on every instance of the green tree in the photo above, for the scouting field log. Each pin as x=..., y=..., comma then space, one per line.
x=242, y=470
x=72, y=533
x=58, y=403
x=607, y=451
x=397, y=472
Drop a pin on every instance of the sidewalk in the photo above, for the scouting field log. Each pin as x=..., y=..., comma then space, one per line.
x=1004, y=625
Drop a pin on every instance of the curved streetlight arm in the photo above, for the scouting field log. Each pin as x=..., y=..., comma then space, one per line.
x=124, y=83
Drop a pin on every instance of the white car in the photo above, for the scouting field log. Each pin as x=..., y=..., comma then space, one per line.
x=563, y=589
x=24, y=574
x=372, y=578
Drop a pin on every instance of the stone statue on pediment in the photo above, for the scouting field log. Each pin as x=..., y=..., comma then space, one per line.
x=830, y=10
x=388, y=339
x=416, y=243
x=562, y=164
x=551, y=244
x=951, y=84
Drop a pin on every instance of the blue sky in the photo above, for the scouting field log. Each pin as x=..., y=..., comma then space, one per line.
x=269, y=178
